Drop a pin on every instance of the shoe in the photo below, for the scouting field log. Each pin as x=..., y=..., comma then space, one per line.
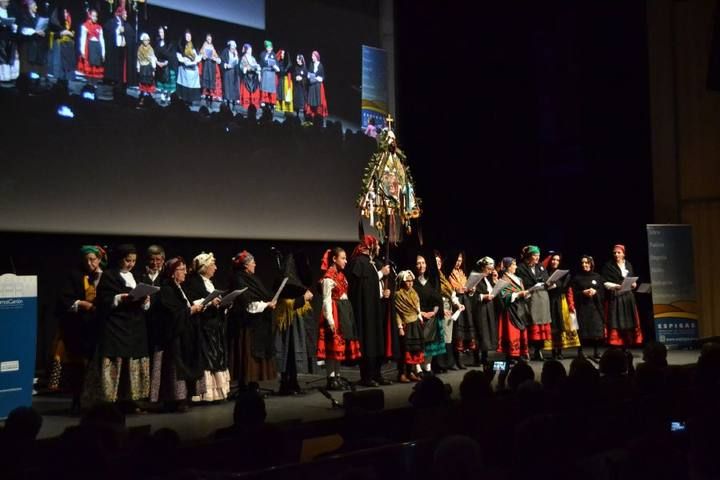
x=413, y=377
x=402, y=378
x=334, y=385
x=453, y=368
x=182, y=407
x=538, y=356
x=560, y=356
x=383, y=381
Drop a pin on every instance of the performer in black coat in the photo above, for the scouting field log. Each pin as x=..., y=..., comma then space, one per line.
x=120, y=50
x=589, y=294
x=213, y=332
x=123, y=336
x=251, y=350
x=366, y=293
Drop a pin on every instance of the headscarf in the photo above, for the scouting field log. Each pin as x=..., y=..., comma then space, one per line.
x=232, y=44
x=172, y=265
x=325, y=263
x=97, y=250
x=530, y=250
x=316, y=54
x=366, y=246
x=506, y=262
x=203, y=261
x=301, y=57
x=620, y=246
x=245, y=47
x=485, y=262
x=546, y=260
x=267, y=43
x=406, y=275
x=242, y=259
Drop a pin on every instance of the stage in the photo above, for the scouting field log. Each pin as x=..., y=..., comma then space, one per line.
x=202, y=420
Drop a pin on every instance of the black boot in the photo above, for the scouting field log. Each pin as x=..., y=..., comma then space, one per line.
x=458, y=361
x=537, y=355
x=476, y=359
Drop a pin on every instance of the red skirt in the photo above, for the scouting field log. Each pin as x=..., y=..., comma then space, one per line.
x=248, y=98
x=332, y=346
x=540, y=333
x=512, y=340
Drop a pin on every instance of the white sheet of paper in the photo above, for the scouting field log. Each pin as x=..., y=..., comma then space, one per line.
x=499, y=286
x=230, y=297
x=644, y=288
x=212, y=296
x=627, y=284
x=473, y=280
x=280, y=289
x=536, y=287
x=143, y=290
x=556, y=275
x=456, y=315
x=42, y=24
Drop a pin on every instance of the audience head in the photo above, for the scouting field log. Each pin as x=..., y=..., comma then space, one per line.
x=475, y=387
x=656, y=354
x=520, y=373
x=553, y=375
x=613, y=363
x=23, y=424
x=430, y=392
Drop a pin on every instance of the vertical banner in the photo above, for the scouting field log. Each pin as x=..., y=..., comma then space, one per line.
x=374, y=86
x=18, y=331
x=672, y=273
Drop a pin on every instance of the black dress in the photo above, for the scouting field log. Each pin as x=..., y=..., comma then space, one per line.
x=589, y=310
x=485, y=318
x=299, y=87
x=230, y=76
x=251, y=350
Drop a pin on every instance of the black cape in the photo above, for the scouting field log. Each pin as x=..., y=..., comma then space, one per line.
x=118, y=58
x=364, y=295
x=123, y=331
x=212, y=326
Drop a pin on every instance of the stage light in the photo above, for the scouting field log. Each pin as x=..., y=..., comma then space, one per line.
x=34, y=76
x=88, y=92
x=65, y=111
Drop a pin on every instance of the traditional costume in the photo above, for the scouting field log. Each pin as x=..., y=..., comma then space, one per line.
x=365, y=294
x=230, y=67
x=622, y=320
x=91, y=49
x=120, y=369
x=300, y=84
x=120, y=62
x=269, y=76
x=249, y=87
x=316, y=101
x=210, y=79
x=9, y=55
x=214, y=384
x=251, y=352
x=188, y=78
x=285, y=83
x=408, y=318
x=338, y=338
x=512, y=329
x=166, y=67
x=484, y=314
x=562, y=312
x=146, y=64
x=62, y=45
x=540, y=329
